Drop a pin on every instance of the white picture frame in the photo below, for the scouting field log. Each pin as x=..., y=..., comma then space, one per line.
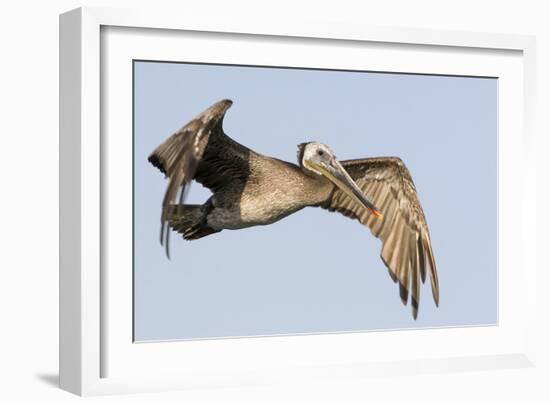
x=96, y=354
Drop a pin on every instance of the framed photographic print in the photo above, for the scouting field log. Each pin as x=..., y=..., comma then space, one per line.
x=243, y=202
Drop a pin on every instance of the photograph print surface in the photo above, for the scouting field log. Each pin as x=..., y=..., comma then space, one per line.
x=279, y=252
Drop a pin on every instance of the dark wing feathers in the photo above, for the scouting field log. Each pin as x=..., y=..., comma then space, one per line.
x=406, y=247
x=198, y=151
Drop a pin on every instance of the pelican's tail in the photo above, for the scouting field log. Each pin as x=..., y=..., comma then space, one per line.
x=190, y=221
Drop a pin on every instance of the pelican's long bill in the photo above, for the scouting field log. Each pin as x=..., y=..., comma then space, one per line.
x=336, y=173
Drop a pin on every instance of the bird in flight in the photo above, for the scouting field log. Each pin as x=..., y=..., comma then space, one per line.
x=250, y=189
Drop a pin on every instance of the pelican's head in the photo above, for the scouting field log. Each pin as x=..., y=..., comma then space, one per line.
x=317, y=159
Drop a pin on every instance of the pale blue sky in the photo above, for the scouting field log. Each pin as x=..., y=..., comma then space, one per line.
x=317, y=271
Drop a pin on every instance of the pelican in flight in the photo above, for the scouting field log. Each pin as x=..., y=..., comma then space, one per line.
x=252, y=189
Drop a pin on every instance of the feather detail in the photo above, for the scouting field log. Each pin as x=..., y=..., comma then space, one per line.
x=406, y=247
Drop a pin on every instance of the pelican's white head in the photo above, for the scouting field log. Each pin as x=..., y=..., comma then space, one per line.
x=317, y=159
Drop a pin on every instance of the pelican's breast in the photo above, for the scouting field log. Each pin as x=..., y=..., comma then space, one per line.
x=274, y=190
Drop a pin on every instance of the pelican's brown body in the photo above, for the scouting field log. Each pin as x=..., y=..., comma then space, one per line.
x=265, y=197
x=252, y=189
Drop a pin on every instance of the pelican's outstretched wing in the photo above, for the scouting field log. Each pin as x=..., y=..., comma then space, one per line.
x=406, y=247
x=199, y=151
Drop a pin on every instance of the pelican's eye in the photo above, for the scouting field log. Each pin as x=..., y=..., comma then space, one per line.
x=320, y=153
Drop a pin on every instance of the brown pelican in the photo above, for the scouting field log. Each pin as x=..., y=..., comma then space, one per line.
x=252, y=189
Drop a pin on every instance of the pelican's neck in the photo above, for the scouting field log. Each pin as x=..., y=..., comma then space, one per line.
x=314, y=188
x=299, y=188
